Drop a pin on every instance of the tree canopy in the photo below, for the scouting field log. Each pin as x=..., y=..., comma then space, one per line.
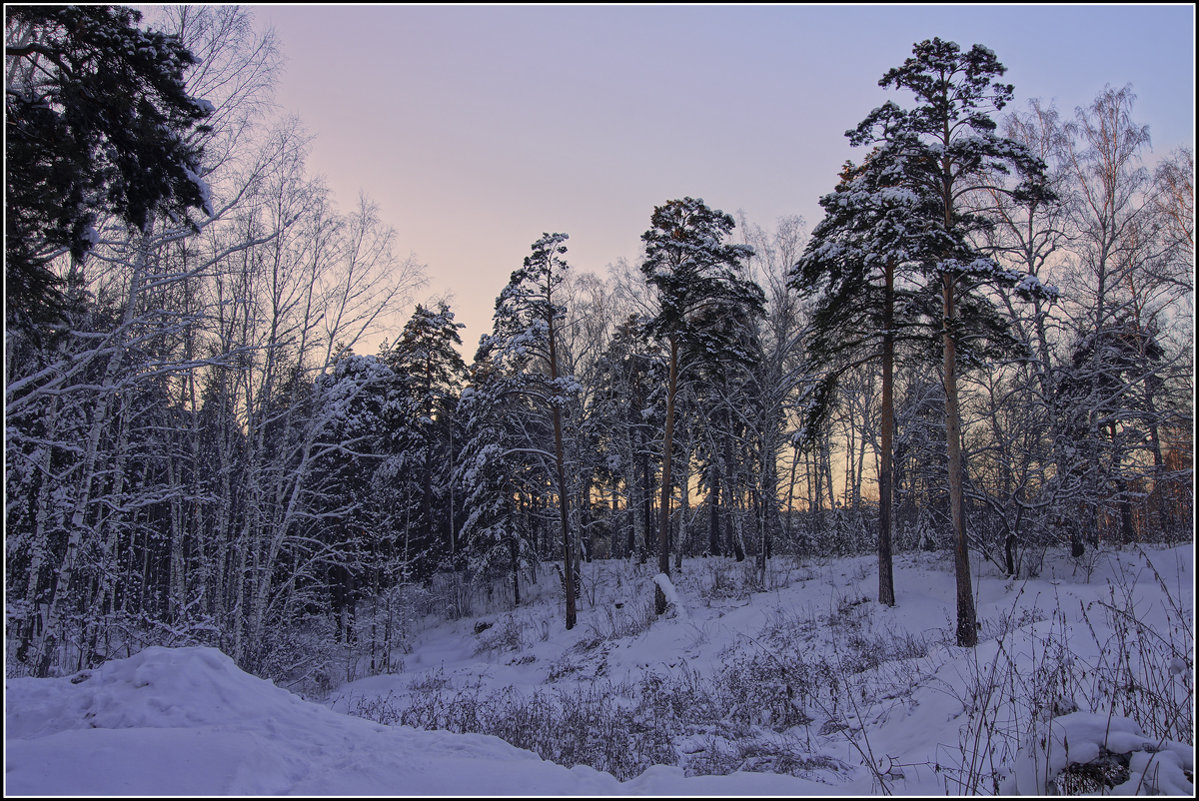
x=97, y=121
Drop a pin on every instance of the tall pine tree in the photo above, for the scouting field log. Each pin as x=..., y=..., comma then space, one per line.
x=516, y=387
x=952, y=149
x=698, y=278
x=850, y=265
x=429, y=375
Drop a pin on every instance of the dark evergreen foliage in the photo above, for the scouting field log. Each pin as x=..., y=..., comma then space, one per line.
x=700, y=291
x=97, y=121
x=414, y=483
x=698, y=277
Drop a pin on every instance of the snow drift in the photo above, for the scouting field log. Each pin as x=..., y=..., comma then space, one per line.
x=187, y=721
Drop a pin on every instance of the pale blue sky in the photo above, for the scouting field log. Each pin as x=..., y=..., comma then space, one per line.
x=477, y=128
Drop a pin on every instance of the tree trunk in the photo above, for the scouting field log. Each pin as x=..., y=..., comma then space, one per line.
x=967, y=631
x=568, y=562
x=647, y=509
x=791, y=493
x=668, y=444
x=714, y=510
x=886, y=579
x=514, y=553
x=684, y=511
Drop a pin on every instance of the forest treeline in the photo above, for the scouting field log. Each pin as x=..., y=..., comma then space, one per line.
x=200, y=450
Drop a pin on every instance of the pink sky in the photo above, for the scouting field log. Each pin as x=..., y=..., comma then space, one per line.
x=476, y=129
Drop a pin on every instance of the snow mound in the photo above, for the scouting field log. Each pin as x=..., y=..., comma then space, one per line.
x=156, y=688
x=1085, y=738
x=187, y=721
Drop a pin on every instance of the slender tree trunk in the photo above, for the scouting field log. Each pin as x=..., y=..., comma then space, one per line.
x=763, y=532
x=967, y=632
x=612, y=526
x=732, y=517
x=886, y=579
x=429, y=436
x=177, y=596
x=514, y=553
x=826, y=459
x=791, y=493
x=452, y=527
x=568, y=562
x=633, y=511
x=647, y=510
x=668, y=444
x=714, y=510
x=815, y=494
x=861, y=464
x=684, y=511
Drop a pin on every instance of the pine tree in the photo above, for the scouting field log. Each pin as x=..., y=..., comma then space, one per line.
x=697, y=275
x=529, y=310
x=500, y=477
x=421, y=409
x=516, y=403
x=850, y=265
x=951, y=147
x=97, y=120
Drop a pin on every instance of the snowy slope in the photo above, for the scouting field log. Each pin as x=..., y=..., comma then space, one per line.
x=188, y=721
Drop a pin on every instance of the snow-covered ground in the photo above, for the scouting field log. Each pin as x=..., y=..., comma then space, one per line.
x=796, y=684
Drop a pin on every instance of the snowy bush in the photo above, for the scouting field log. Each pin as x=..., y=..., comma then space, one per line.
x=582, y=726
x=612, y=621
x=704, y=726
x=1086, y=753
x=506, y=635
